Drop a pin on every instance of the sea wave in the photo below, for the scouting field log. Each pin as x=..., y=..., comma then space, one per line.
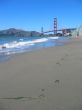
x=18, y=44
x=55, y=38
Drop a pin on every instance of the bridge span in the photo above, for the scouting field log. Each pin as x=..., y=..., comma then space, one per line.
x=56, y=30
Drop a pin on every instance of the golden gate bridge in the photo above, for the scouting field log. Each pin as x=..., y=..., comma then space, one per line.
x=56, y=30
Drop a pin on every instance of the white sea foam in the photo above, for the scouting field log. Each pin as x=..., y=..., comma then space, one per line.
x=54, y=38
x=18, y=44
x=40, y=40
x=22, y=45
x=21, y=39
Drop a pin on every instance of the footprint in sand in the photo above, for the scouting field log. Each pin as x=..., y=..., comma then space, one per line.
x=62, y=59
x=42, y=90
x=57, y=81
x=58, y=63
x=66, y=55
x=42, y=96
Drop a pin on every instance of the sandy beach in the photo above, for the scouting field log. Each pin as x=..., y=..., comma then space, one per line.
x=45, y=79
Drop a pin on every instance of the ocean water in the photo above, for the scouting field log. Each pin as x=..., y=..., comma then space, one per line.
x=11, y=45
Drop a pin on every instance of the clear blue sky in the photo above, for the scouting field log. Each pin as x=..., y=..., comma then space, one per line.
x=33, y=14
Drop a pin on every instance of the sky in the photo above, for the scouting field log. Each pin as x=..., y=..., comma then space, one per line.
x=31, y=15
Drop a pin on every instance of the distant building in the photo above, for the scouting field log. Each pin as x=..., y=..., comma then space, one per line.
x=69, y=31
x=77, y=32
x=80, y=31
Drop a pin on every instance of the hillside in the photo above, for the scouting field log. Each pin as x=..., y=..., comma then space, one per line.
x=18, y=32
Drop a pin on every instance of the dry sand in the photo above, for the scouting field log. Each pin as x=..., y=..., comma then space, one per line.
x=46, y=79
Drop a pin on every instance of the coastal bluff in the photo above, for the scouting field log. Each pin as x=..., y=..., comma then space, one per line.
x=18, y=32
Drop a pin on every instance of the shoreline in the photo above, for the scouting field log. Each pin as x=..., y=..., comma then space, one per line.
x=49, y=44
x=44, y=79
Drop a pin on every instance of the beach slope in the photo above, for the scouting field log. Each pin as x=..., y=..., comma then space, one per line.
x=46, y=79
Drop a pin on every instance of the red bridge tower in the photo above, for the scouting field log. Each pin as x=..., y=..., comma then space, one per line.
x=55, y=25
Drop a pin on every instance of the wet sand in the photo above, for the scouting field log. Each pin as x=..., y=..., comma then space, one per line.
x=46, y=79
